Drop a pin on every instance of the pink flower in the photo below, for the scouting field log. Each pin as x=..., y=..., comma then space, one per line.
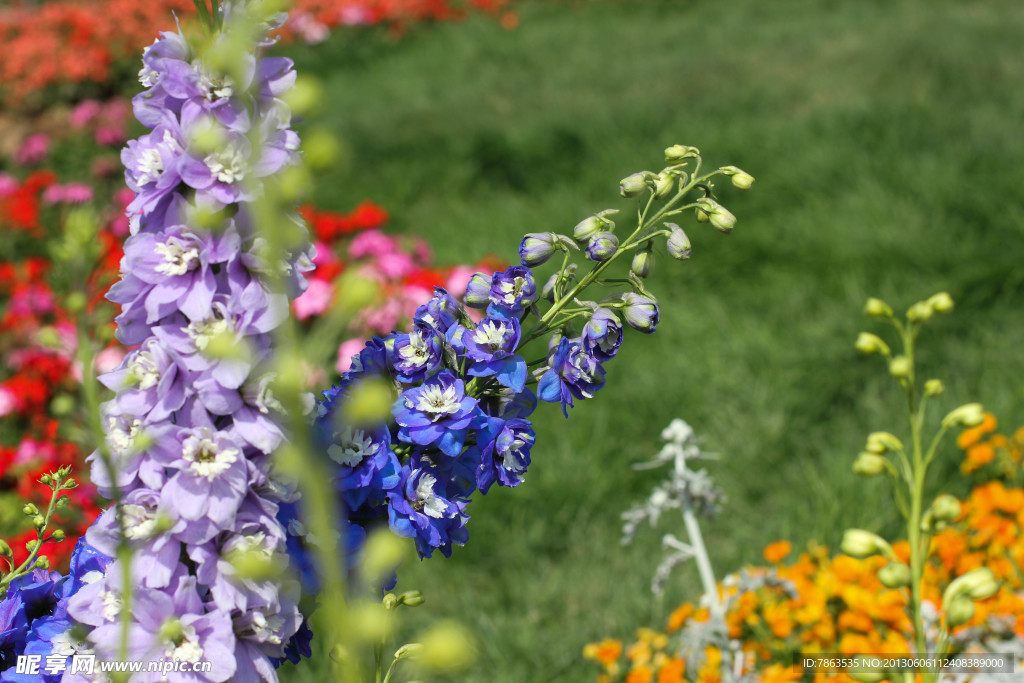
x=77, y=193
x=458, y=280
x=371, y=243
x=314, y=300
x=395, y=265
x=84, y=113
x=346, y=350
x=325, y=256
x=309, y=29
x=109, y=135
x=421, y=250
x=34, y=149
x=54, y=194
x=108, y=359
x=8, y=185
x=9, y=402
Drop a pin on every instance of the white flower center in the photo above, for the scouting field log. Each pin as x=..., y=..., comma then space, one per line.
x=228, y=165
x=438, y=401
x=416, y=353
x=426, y=500
x=178, y=259
x=511, y=460
x=139, y=522
x=188, y=650
x=510, y=291
x=213, y=87
x=143, y=367
x=205, y=458
x=148, y=77
x=490, y=334
x=202, y=331
x=150, y=165
x=121, y=434
x=267, y=629
x=350, y=447
x=111, y=605
x=66, y=645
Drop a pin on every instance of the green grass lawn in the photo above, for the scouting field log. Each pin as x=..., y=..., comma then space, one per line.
x=886, y=140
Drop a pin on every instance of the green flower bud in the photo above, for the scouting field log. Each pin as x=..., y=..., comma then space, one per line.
x=899, y=367
x=588, y=227
x=920, y=312
x=42, y=562
x=634, y=185
x=941, y=302
x=62, y=502
x=866, y=676
x=390, y=601
x=30, y=509
x=861, y=543
x=39, y=521
x=58, y=535
x=933, y=388
x=977, y=584
x=70, y=484
x=411, y=598
x=967, y=415
x=678, y=243
x=895, y=575
x=959, y=611
x=946, y=508
x=702, y=215
x=739, y=177
x=662, y=184
x=62, y=404
x=5, y=549
x=869, y=464
x=883, y=442
x=31, y=545
x=676, y=154
x=719, y=216
x=408, y=650
x=876, y=308
x=868, y=343
x=340, y=654
x=643, y=263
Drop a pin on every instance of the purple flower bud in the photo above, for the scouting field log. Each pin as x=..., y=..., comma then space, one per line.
x=641, y=312
x=602, y=246
x=478, y=291
x=537, y=248
x=678, y=243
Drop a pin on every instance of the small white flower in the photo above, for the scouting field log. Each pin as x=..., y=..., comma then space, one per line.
x=431, y=505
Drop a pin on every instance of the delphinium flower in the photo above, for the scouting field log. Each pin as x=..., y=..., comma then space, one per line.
x=191, y=428
x=461, y=387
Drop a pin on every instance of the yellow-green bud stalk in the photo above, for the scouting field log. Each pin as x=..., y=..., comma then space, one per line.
x=740, y=178
x=946, y=508
x=868, y=343
x=967, y=415
x=883, y=442
x=634, y=185
x=895, y=575
x=876, y=308
x=933, y=388
x=861, y=543
x=899, y=367
x=662, y=184
x=677, y=154
x=411, y=598
x=941, y=302
x=920, y=312
x=959, y=611
x=977, y=584
x=869, y=464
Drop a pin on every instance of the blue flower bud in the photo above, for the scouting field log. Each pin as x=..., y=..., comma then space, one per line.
x=537, y=247
x=602, y=246
x=641, y=312
x=478, y=291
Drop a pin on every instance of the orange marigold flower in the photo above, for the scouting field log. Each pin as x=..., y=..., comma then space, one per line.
x=777, y=551
x=679, y=617
x=641, y=675
x=780, y=673
x=672, y=672
x=605, y=652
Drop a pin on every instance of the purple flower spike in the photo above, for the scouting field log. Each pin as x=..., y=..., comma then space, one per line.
x=512, y=292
